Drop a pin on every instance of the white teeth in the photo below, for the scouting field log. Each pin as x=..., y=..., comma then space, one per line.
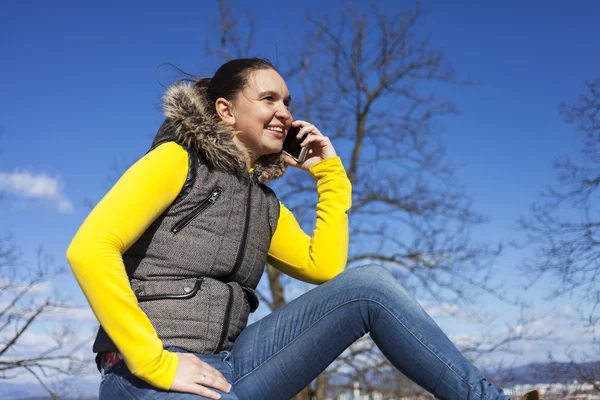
x=275, y=128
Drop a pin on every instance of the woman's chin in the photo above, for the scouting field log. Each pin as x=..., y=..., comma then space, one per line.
x=273, y=149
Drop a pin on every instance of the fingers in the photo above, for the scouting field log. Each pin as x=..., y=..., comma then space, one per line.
x=200, y=390
x=195, y=376
x=216, y=381
x=322, y=141
x=319, y=145
x=315, y=134
x=306, y=128
x=206, y=375
x=212, y=370
x=291, y=162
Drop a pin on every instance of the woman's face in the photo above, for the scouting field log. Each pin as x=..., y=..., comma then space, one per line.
x=261, y=113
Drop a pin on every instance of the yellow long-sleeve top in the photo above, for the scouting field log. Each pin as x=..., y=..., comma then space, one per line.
x=138, y=198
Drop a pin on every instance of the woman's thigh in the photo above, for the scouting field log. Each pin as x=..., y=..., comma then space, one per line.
x=120, y=383
x=280, y=354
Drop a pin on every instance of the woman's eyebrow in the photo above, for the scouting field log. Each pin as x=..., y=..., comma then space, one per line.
x=274, y=94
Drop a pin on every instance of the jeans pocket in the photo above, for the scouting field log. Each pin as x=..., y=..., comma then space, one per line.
x=108, y=388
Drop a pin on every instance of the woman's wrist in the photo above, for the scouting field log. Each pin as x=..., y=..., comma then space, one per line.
x=329, y=167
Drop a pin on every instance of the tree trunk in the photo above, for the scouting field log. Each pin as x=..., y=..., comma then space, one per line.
x=276, y=287
x=305, y=394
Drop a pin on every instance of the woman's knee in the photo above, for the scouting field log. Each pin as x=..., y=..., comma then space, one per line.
x=373, y=279
x=367, y=275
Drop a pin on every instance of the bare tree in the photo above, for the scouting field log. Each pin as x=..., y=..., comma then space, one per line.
x=234, y=42
x=29, y=307
x=565, y=227
x=364, y=77
x=26, y=306
x=368, y=81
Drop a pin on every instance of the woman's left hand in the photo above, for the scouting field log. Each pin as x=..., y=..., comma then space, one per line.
x=319, y=146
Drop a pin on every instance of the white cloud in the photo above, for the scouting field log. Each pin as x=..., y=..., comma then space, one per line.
x=28, y=343
x=35, y=340
x=64, y=206
x=80, y=315
x=11, y=287
x=41, y=289
x=42, y=335
x=462, y=340
x=567, y=310
x=443, y=310
x=35, y=186
x=516, y=330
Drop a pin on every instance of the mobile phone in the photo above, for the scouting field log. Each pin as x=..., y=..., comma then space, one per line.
x=291, y=145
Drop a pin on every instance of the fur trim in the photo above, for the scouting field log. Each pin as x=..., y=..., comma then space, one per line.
x=196, y=128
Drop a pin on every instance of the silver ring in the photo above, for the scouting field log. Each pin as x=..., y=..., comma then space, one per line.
x=203, y=379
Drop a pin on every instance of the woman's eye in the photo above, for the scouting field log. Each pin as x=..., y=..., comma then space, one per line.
x=269, y=98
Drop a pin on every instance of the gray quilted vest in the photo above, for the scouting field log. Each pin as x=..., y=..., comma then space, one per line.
x=194, y=271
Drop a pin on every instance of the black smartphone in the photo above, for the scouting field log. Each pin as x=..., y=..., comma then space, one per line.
x=291, y=145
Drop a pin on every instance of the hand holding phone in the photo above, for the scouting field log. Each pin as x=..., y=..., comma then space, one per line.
x=291, y=145
x=318, y=147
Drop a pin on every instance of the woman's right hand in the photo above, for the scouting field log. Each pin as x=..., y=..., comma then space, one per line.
x=195, y=376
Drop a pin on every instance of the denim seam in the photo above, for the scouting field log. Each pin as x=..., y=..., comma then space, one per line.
x=440, y=378
x=392, y=314
x=254, y=340
x=227, y=361
x=431, y=351
x=293, y=340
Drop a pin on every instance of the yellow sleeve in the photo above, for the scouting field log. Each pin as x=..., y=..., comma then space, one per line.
x=95, y=256
x=320, y=258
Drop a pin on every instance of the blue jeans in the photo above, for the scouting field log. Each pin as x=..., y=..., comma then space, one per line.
x=280, y=354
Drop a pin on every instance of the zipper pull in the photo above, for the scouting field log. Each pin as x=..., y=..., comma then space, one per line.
x=255, y=175
x=214, y=196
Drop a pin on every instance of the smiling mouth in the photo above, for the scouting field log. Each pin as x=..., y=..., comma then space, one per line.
x=277, y=129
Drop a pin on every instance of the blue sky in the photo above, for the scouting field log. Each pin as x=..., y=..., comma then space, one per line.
x=79, y=93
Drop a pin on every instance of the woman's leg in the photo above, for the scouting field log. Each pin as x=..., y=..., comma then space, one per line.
x=277, y=356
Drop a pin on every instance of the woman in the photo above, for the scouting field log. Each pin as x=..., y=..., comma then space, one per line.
x=170, y=258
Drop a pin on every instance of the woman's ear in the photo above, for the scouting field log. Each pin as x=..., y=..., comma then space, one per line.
x=224, y=110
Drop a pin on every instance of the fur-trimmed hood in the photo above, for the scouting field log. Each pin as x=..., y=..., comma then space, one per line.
x=195, y=128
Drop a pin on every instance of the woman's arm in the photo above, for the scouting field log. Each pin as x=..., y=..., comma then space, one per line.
x=320, y=258
x=95, y=255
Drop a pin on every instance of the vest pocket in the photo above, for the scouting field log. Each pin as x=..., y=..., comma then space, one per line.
x=190, y=313
x=180, y=289
x=203, y=205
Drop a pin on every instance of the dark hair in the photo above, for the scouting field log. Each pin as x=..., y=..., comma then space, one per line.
x=231, y=78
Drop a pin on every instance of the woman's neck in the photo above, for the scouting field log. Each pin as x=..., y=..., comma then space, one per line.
x=249, y=155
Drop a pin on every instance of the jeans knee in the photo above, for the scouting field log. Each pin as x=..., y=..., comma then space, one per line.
x=373, y=279
x=371, y=274
x=375, y=270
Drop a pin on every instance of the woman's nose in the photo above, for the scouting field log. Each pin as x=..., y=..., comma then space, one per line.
x=283, y=113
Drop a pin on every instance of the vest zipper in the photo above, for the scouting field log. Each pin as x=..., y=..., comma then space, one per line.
x=239, y=258
x=226, y=319
x=203, y=205
x=242, y=249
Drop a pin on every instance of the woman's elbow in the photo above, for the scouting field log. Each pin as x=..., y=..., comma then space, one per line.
x=78, y=253
x=74, y=253
x=330, y=273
